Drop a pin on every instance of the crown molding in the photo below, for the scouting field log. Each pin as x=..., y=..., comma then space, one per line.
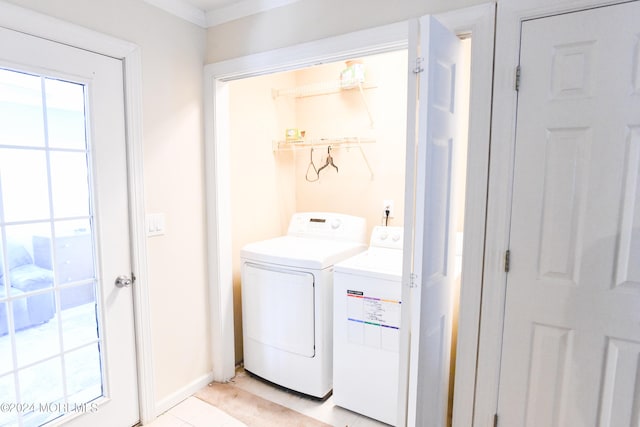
x=182, y=9
x=241, y=9
x=185, y=10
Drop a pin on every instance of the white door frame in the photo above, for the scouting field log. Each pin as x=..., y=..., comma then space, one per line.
x=509, y=19
x=477, y=21
x=27, y=21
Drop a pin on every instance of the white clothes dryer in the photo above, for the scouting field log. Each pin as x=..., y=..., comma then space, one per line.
x=366, y=338
x=287, y=299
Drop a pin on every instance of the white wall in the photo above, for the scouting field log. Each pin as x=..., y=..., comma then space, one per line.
x=172, y=60
x=309, y=20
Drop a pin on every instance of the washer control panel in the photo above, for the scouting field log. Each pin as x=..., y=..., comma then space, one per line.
x=387, y=237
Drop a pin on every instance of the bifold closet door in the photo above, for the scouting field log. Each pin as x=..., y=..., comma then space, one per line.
x=428, y=272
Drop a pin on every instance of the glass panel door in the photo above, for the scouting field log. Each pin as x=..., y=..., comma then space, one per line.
x=50, y=335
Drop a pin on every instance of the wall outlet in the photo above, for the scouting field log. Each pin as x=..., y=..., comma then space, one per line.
x=387, y=204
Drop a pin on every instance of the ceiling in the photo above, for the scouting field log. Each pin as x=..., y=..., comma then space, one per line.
x=209, y=13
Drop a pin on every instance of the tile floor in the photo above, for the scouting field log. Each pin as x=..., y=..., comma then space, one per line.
x=193, y=412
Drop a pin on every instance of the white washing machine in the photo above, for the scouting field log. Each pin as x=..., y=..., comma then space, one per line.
x=287, y=298
x=366, y=327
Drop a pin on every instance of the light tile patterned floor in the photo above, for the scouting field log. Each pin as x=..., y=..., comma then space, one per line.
x=195, y=413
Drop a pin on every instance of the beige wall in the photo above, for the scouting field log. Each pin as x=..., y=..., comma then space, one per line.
x=352, y=189
x=172, y=66
x=262, y=184
x=309, y=20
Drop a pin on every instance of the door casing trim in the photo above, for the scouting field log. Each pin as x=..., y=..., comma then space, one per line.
x=40, y=25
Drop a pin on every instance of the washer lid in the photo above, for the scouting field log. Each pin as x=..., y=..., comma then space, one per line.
x=292, y=251
x=381, y=263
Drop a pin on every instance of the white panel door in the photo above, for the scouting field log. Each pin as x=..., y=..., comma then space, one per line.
x=67, y=345
x=571, y=346
x=428, y=225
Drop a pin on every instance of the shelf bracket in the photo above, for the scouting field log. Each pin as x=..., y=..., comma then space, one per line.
x=366, y=161
x=366, y=106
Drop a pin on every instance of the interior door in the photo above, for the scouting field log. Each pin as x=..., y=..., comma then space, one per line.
x=67, y=348
x=434, y=55
x=571, y=345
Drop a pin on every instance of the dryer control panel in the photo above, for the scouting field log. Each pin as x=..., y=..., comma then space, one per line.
x=328, y=225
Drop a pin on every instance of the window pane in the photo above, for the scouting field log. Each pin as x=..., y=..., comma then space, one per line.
x=41, y=383
x=84, y=376
x=79, y=324
x=65, y=114
x=3, y=291
x=21, y=117
x=69, y=184
x=36, y=328
x=7, y=394
x=74, y=296
x=6, y=360
x=23, y=180
x=24, y=274
x=74, y=252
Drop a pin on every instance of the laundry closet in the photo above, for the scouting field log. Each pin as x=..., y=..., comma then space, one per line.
x=281, y=123
x=328, y=138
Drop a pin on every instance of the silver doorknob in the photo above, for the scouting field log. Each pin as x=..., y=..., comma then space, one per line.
x=123, y=281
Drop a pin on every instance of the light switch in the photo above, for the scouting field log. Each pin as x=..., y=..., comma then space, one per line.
x=155, y=224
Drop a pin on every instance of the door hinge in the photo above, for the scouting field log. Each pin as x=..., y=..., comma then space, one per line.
x=495, y=420
x=413, y=282
x=418, y=67
x=507, y=261
x=517, y=78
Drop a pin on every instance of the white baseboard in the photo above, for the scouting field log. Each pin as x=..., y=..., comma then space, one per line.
x=173, y=399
